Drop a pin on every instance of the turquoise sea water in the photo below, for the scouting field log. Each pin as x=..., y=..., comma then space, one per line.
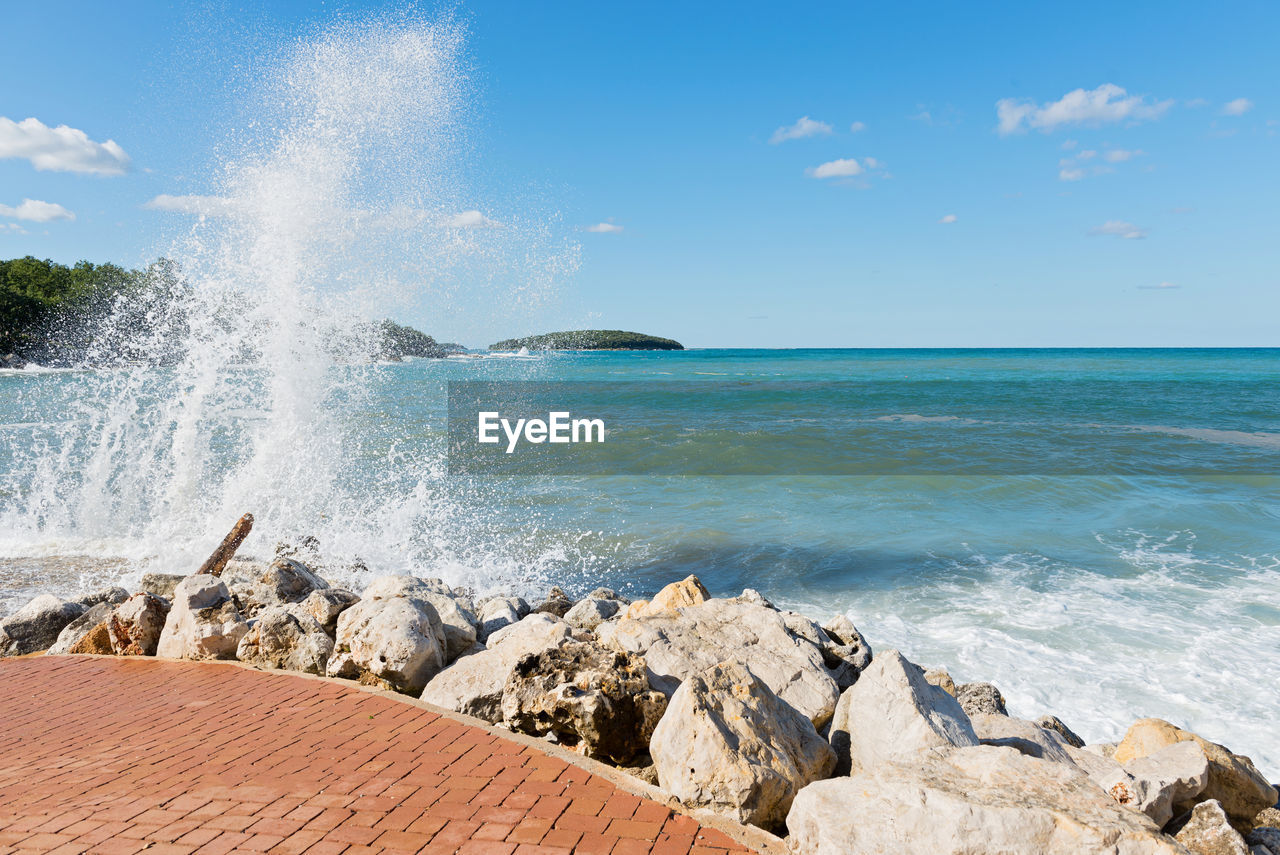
x=1095, y=531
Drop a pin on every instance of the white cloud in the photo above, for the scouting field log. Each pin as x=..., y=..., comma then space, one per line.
x=804, y=127
x=858, y=127
x=1070, y=173
x=1107, y=103
x=605, y=228
x=844, y=168
x=60, y=149
x=949, y=219
x=1067, y=145
x=1120, y=155
x=1196, y=103
x=35, y=211
x=470, y=220
x=1120, y=229
x=203, y=206
x=1238, y=107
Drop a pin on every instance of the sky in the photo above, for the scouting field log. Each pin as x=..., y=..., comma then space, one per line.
x=743, y=175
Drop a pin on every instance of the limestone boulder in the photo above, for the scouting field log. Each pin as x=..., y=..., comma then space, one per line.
x=257, y=586
x=1023, y=736
x=203, y=621
x=1234, y=782
x=459, y=623
x=941, y=678
x=687, y=592
x=681, y=642
x=474, y=684
x=112, y=596
x=589, y=613
x=95, y=642
x=36, y=625
x=1053, y=723
x=498, y=612
x=161, y=584
x=729, y=744
x=893, y=713
x=324, y=606
x=844, y=650
x=136, y=624
x=976, y=800
x=80, y=627
x=981, y=699
x=290, y=639
x=394, y=642
x=1175, y=775
x=557, y=603
x=588, y=696
x=1209, y=832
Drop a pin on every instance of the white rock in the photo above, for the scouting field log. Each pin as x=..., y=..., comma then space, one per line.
x=685, y=640
x=325, y=605
x=289, y=639
x=893, y=713
x=1023, y=736
x=497, y=613
x=970, y=801
x=729, y=744
x=590, y=613
x=1173, y=775
x=395, y=642
x=473, y=684
x=203, y=622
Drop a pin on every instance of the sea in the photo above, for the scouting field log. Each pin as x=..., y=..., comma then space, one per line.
x=1097, y=532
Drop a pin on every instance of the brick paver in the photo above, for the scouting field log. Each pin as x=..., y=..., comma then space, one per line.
x=106, y=755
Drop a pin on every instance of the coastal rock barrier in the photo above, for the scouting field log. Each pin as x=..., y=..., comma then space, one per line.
x=729, y=705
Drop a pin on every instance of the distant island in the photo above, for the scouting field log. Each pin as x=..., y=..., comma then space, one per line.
x=89, y=315
x=589, y=340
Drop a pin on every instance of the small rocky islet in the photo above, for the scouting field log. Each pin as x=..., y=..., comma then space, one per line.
x=728, y=705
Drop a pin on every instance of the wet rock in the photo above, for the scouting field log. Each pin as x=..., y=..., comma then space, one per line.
x=588, y=696
x=728, y=743
x=979, y=698
x=941, y=678
x=1025, y=737
x=557, y=603
x=136, y=624
x=161, y=584
x=203, y=622
x=1208, y=832
x=678, y=643
x=395, y=642
x=80, y=627
x=292, y=640
x=591, y=612
x=608, y=594
x=1234, y=781
x=1053, y=723
x=326, y=604
x=36, y=625
x=975, y=800
x=687, y=592
x=474, y=684
x=893, y=713
x=111, y=596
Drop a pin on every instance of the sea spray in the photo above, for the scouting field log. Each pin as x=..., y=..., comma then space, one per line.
x=337, y=202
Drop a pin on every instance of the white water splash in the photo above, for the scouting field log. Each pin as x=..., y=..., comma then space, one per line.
x=337, y=204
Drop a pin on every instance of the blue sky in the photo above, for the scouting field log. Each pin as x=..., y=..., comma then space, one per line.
x=1139, y=210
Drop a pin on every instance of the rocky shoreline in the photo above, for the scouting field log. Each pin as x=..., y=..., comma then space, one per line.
x=727, y=704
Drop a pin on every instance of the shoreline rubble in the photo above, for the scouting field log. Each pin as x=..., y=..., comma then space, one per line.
x=731, y=705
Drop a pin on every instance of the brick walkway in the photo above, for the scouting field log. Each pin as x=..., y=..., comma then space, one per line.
x=109, y=755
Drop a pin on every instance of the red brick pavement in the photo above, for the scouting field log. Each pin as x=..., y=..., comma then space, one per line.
x=106, y=755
